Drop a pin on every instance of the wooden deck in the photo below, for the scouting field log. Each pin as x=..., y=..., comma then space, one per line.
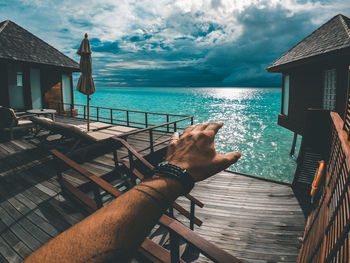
x=32, y=210
x=256, y=221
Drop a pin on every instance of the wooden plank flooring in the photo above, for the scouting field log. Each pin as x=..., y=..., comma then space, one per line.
x=255, y=220
x=32, y=209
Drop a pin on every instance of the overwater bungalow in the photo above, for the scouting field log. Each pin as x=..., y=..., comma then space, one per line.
x=315, y=74
x=33, y=74
x=57, y=175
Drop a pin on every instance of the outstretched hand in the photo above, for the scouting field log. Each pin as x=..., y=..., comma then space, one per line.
x=195, y=151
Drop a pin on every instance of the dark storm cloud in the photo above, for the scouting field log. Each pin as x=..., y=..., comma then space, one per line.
x=266, y=34
x=176, y=43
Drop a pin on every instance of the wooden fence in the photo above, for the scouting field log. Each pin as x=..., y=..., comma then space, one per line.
x=326, y=236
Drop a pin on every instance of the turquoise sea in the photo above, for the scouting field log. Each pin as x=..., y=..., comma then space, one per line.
x=249, y=114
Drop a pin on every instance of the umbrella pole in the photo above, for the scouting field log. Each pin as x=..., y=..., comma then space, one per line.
x=88, y=112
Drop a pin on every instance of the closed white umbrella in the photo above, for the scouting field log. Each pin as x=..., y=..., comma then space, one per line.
x=86, y=83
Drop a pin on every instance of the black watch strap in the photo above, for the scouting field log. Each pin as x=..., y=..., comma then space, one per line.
x=173, y=171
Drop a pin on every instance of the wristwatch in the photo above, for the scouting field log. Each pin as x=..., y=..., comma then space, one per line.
x=166, y=169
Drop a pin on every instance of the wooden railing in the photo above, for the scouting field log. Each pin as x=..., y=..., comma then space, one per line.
x=130, y=118
x=177, y=230
x=147, y=171
x=326, y=236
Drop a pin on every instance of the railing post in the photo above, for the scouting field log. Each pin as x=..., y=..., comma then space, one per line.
x=151, y=140
x=127, y=119
x=131, y=161
x=84, y=112
x=146, y=119
x=71, y=110
x=192, y=120
x=97, y=113
x=111, y=115
x=115, y=158
x=175, y=127
x=171, y=211
x=192, y=215
x=97, y=196
x=292, y=150
x=174, y=247
x=167, y=120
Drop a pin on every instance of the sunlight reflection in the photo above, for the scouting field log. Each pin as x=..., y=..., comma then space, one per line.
x=233, y=94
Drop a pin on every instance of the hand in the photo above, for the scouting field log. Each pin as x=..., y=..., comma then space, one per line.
x=196, y=153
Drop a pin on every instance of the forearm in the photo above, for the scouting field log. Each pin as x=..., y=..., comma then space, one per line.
x=116, y=229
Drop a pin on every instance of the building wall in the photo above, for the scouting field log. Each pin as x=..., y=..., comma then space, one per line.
x=16, y=86
x=306, y=91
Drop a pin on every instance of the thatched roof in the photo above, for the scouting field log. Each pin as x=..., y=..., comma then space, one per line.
x=330, y=37
x=17, y=44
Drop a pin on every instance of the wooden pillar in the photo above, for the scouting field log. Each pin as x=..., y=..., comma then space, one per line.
x=27, y=93
x=4, y=89
x=292, y=150
x=72, y=88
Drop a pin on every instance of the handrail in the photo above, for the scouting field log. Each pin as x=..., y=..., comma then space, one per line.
x=134, y=152
x=150, y=166
x=205, y=247
x=326, y=234
x=108, y=117
x=148, y=245
x=111, y=190
x=157, y=126
x=338, y=124
x=86, y=173
x=117, y=109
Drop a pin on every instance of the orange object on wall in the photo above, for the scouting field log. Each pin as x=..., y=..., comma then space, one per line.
x=318, y=178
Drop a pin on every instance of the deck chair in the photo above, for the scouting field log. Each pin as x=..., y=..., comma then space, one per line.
x=68, y=132
x=11, y=122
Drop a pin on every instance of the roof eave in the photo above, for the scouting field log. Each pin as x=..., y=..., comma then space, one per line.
x=315, y=58
x=72, y=69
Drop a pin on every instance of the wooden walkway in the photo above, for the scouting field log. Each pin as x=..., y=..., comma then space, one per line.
x=256, y=221
x=32, y=209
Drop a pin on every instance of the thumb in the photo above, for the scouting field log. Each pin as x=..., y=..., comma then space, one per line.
x=230, y=158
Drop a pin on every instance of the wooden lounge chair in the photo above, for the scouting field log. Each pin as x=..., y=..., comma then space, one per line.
x=11, y=122
x=73, y=131
x=94, y=126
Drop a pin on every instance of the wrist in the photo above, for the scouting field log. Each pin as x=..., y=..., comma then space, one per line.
x=179, y=174
x=170, y=187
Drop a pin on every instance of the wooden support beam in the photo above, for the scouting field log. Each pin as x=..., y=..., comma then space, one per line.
x=292, y=150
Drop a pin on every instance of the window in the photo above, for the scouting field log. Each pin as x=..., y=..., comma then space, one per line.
x=19, y=79
x=285, y=102
x=329, y=89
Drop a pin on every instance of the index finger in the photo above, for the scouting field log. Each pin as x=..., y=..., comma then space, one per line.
x=215, y=126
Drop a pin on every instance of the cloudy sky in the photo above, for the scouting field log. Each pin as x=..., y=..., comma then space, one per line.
x=176, y=42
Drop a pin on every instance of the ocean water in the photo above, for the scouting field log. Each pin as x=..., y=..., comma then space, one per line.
x=249, y=116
